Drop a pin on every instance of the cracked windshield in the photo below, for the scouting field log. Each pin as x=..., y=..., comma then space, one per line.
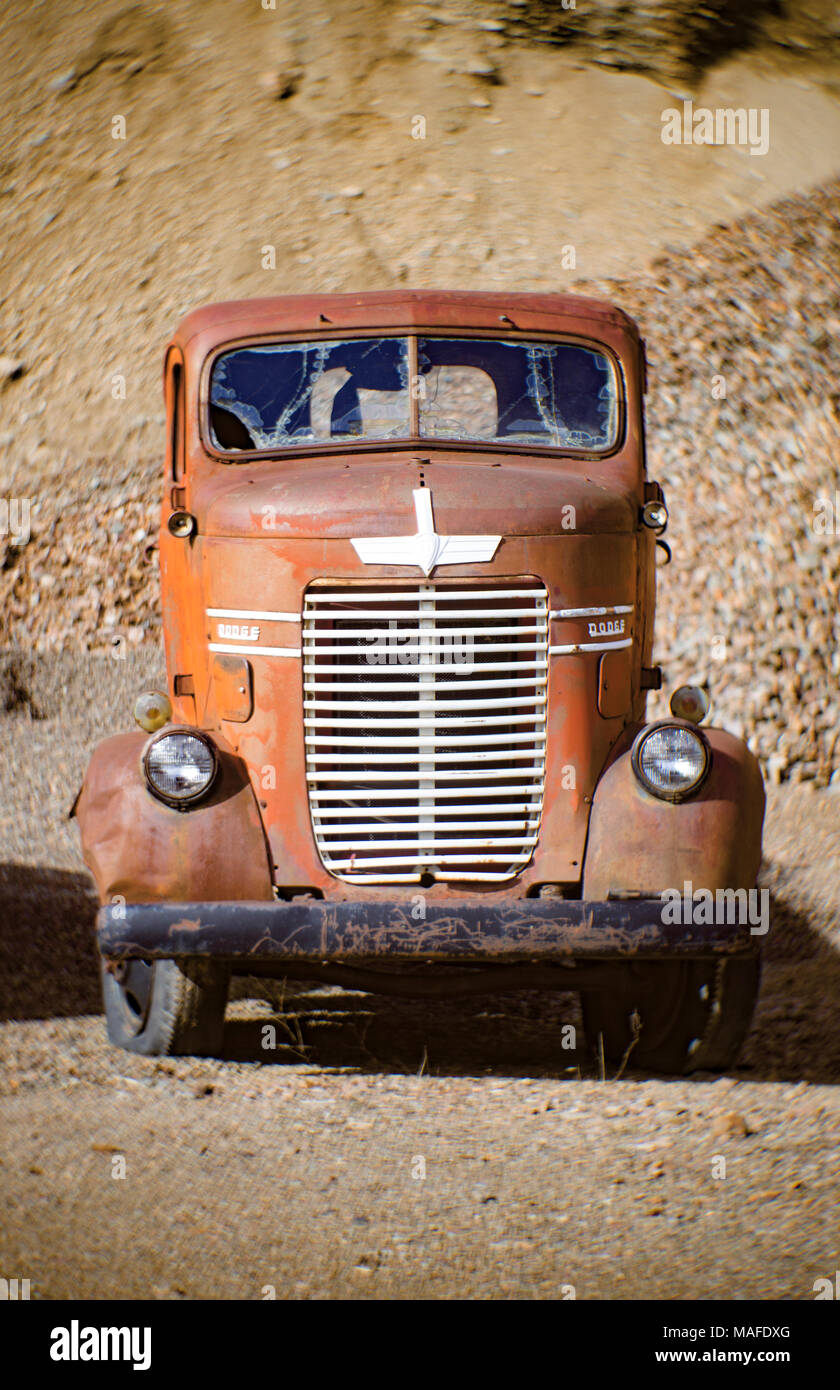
x=556, y=395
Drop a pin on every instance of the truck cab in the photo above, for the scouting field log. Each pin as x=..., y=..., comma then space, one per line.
x=408, y=569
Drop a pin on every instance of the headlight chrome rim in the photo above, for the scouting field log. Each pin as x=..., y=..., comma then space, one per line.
x=672, y=794
x=190, y=798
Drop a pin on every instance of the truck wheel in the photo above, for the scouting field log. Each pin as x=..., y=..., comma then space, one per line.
x=165, y=1006
x=694, y=1015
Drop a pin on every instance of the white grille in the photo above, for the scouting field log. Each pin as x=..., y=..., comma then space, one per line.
x=425, y=723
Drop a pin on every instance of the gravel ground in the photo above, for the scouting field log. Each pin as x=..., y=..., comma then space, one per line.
x=304, y=1172
x=304, y=1181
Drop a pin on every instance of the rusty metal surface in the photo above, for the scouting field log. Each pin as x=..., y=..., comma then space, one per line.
x=579, y=571
x=316, y=313
x=233, y=688
x=359, y=493
x=615, y=675
x=464, y=930
x=313, y=506
x=639, y=843
x=267, y=528
x=138, y=849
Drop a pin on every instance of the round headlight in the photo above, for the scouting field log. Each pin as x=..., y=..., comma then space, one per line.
x=180, y=766
x=670, y=760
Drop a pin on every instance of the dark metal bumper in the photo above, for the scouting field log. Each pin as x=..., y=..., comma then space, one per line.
x=467, y=932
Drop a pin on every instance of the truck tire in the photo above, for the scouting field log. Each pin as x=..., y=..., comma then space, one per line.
x=165, y=1006
x=694, y=1014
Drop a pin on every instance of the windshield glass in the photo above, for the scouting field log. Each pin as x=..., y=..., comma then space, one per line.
x=310, y=393
x=558, y=395
x=555, y=394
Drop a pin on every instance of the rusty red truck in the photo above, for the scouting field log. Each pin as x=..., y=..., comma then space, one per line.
x=408, y=569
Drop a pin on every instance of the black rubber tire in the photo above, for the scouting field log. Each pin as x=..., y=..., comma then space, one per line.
x=694, y=1015
x=166, y=1006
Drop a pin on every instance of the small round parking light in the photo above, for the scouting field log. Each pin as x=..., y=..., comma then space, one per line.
x=655, y=515
x=152, y=710
x=691, y=703
x=181, y=524
x=671, y=760
x=180, y=766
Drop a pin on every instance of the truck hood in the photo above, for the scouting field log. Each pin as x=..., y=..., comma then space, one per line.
x=351, y=496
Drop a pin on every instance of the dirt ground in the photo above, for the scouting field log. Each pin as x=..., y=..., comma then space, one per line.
x=388, y=1149
x=393, y=1148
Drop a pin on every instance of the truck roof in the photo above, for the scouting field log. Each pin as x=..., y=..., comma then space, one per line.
x=394, y=309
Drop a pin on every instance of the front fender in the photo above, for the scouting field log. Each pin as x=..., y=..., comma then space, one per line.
x=638, y=843
x=143, y=851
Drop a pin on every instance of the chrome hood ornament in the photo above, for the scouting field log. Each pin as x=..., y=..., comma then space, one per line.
x=426, y=549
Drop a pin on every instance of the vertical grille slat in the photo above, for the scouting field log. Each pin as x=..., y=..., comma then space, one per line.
x=425, y=728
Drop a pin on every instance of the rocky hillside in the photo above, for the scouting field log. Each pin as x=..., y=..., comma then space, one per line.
x=751, y=602
x=678, y=40
x=245, y=126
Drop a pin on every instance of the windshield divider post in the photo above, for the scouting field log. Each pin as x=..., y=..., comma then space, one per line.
x=413, y=386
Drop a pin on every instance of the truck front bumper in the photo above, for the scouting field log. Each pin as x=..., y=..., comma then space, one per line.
x=456, y=932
